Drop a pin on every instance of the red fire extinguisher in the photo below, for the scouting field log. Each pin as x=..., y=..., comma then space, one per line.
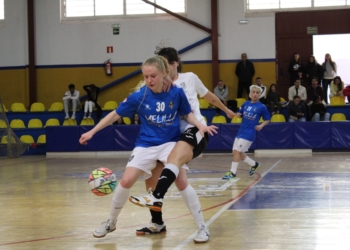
x=108, y=67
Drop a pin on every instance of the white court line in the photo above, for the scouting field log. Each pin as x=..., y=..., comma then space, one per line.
x=223, y=209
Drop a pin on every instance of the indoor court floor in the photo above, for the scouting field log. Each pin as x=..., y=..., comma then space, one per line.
x=292, y=202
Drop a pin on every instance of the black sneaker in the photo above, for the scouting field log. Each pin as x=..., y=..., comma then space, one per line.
x=152, y=228
x=253, y=168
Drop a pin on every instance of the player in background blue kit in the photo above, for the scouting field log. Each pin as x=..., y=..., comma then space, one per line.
x=251, y=112
x=159, y=113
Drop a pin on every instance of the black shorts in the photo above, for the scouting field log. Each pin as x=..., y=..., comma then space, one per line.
x=191, y=136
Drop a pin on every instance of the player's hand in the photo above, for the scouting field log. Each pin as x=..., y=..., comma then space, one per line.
x=238, y=115
x=258, y=127
x=85, y=137
x=230, y=114
x=210, y=129
x=167, y=82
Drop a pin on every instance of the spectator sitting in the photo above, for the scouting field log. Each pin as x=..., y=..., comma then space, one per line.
x=272, y=99
x=91, y=102
x=318, y=110
x=71, y=101
x=221, y=91
x=120, y=121
x=314, y=89
x=296, y=110
x=337, y=86
x=258, y=82
x=297, y=90
x=346, y=92
x=313, y=69
x=136, y=120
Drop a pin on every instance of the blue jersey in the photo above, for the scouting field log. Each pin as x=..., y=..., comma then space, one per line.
x=251, y=114
x=159, y=114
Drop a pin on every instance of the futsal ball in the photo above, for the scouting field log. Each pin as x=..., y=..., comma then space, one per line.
x=102, y=181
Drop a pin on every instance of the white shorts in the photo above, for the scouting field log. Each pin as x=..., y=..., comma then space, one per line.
x=145, y=159
x=241, y=145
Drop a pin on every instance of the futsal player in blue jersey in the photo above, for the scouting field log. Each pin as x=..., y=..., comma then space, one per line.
x=159, y=113
x=251, y=112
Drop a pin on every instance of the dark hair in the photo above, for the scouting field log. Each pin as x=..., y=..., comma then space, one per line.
x=273, y=84
x=71, y=86
x=171, y=55
x=311, y=64
x=314, y=78
x=297, y=79
x=330, y=61
x=299, y=60
x=295, y=97
x=258, y=78
x=339, y=86
x=315, y=98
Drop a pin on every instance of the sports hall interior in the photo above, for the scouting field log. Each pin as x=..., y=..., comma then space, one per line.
x=297, y=199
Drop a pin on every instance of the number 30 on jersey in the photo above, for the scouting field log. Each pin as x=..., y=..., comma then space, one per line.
x=160, y=106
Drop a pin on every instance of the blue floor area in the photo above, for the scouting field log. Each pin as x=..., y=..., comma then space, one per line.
x=298, y=190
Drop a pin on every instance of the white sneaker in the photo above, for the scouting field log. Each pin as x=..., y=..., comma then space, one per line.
x=202, y=235
x=89, y=116
x=67, y=117
x=152, y=228
x=105, y=228
x=148, y=201
x=73, y=117
x=84, y=117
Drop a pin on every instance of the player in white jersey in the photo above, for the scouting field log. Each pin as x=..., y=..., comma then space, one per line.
x=160, y=130
x=190, y=145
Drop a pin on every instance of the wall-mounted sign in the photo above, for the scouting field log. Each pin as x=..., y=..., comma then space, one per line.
x=312, y=30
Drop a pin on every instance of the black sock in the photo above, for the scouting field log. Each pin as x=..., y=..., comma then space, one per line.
x=156, y=217
x=164, y=182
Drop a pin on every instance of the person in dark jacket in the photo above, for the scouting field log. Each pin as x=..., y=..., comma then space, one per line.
x=295, y=66
x=272, y=99
x=296, y=110
x=318, y=110
x=91, y=103
x=313, y=69
x=314, y=89
x=245, y=72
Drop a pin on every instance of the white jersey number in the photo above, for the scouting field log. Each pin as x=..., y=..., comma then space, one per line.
x=160, y=106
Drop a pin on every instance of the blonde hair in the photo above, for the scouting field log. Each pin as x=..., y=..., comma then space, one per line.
x=159, y=62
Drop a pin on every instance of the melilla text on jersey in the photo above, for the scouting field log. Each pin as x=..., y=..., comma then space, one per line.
x=249, y=115
x=161, y=120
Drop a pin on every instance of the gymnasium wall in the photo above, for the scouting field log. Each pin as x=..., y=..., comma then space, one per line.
x=73, y=51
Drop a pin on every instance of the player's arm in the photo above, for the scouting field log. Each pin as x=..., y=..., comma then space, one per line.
x=266, y=116
x=214, y=100
x=191, y=119
x=108, y=120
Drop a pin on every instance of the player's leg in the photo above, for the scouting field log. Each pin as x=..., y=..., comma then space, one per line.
x=120, y=197
x=156, y=225
x=192, y=202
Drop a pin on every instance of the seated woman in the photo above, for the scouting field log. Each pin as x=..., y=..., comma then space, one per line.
x=91, y=103
x=296, y=110
x=135, y=120
x=221, y=91
x=337, y=86
x=318, y=110
x=272, y=99
x=119, y=121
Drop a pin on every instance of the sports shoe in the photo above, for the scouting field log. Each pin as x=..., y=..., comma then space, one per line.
x=148, y=201
x=229, y=176
x=202, y=235
x=89, y=116
x=73, y=117
x=67, y=117
x=152, y=228
x=105, y=228
x=84, y=117
x=253, y=168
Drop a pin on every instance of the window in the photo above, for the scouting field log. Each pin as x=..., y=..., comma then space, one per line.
x=253, y=5
x=98, y=8
x=2, y=10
